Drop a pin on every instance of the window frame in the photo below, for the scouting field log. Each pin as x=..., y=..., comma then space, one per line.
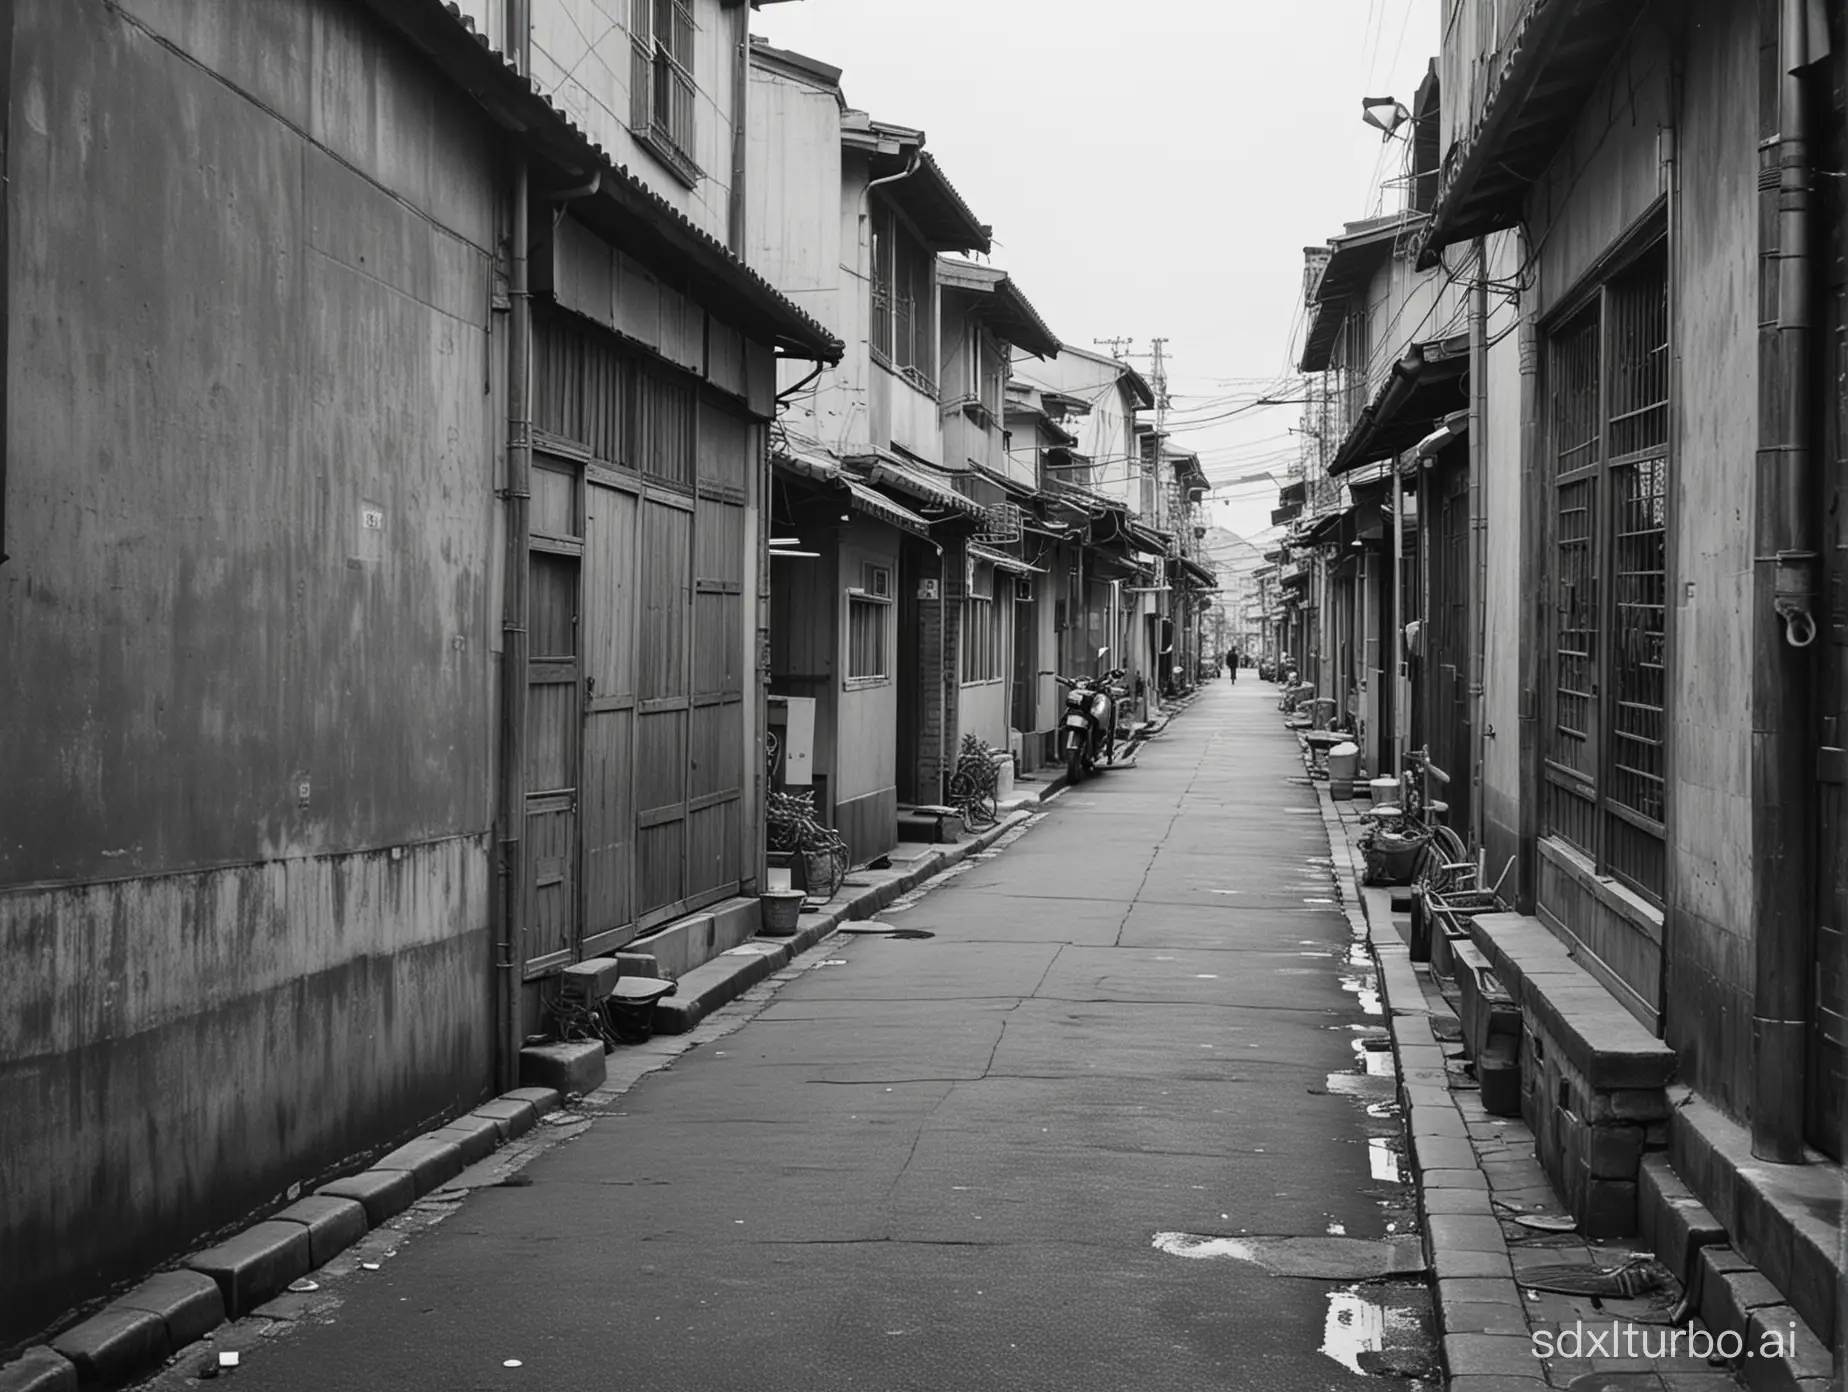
x=902, y=281
x=980, y=659
x=656, y=68
x=1590, y=797
x=864, y=597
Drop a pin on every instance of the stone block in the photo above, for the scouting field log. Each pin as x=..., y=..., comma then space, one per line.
x=512, y=1117
x=114, y=1345
x=565, y=1068
x=1609, y=1208
x=1443, y=1153
x=1464, y=1233
x=430, y=1163
x=39, y=1369
x=1452, y=1264
x=638, y=963
x=334, y=1224
x=1471, y=1202
x=255, y=1265
x=1810, y=1358
x=189, y=1302
x=1673, y=1223
x=1490, y=1355
x=1613, y=1152
x=476, y=1137
x=384, y=1194
x=540, y=1099
x=1472, y=1317
x=1637, y=1105
x=590, y=980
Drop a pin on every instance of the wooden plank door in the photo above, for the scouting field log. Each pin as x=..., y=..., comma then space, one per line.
x=607, y=804
x=552, y=717
x=715, y=768
x=664, y=704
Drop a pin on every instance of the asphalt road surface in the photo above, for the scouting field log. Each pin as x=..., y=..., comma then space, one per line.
x=1003, y=1156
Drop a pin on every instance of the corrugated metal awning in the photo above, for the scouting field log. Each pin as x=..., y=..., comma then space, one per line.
x=919, y=486
x=875, y=504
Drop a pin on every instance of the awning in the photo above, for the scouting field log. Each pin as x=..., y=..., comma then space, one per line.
x=1288, y=513
x=1003, y=561
x=623, y=208
x=805, y=463
x=875, y=504
x=1423, y=387
x=917, y=485
x=1192, y=570
x=1353, y=259
x=1326, y=528
x=1538, y=83
x=1148, y=538
x=1293, y=493
x=1007, y=311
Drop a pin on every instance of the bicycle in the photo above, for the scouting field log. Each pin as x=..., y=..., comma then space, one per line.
x=973, y=785
x=793, y=826
x=1439, y=861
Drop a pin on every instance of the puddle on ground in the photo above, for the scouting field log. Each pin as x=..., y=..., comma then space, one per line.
x=1368, y=989
x=1374, y=1055
x=1379, y=1333
x=1315, y=1258
x=1383, y=1160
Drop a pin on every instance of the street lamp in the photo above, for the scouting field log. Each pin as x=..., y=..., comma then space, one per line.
x=1384, y=113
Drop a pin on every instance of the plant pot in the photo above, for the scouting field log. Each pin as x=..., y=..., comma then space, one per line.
x=781, y=911
x=1391, y=859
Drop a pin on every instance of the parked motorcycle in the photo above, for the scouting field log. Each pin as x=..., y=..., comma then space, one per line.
x=1093, y=706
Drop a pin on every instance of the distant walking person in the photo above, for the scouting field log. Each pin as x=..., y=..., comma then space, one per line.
x=1232, y=663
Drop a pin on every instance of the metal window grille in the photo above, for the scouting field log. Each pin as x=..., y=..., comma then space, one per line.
x=1577, y=439
x=1608, y=380
x=1638, y=314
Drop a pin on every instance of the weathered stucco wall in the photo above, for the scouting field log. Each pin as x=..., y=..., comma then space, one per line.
x=1711, y=875
x=246, y=710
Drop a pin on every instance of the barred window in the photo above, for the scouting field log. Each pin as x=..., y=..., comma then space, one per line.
x=1608, y=389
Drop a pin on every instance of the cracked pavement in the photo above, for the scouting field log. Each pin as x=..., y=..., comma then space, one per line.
x=944, y=1161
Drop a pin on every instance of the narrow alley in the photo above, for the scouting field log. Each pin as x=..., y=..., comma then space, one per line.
x=989, y=1153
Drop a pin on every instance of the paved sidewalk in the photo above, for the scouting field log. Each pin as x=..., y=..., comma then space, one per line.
x=1479, y=1179
x=1105, y=1113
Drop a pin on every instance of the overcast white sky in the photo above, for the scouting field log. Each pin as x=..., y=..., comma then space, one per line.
x=1152, y=169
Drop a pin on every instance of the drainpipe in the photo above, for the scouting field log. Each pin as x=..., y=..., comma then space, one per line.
x=6, y=107
x=1784, y=570
x=741, y=97
x=1533, y=603
x=1401, y=697
x=1478, y=537
x=511, y=816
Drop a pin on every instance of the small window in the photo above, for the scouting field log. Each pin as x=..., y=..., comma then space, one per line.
x=981, y=630
x=869, y=621
x=904, y=301
x=663, y=95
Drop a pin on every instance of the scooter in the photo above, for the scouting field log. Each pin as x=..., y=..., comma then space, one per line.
x=1089, y=729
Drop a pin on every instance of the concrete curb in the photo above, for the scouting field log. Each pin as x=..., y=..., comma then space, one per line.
x=135, y=1334
x=729, y=975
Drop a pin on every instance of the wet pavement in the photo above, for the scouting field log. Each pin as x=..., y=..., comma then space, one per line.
x=1116, y=1109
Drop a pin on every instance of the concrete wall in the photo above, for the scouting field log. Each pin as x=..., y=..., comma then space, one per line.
x=246, y=711
x=1711, y=872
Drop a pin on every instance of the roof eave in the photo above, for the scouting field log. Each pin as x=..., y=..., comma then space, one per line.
x=449, y=40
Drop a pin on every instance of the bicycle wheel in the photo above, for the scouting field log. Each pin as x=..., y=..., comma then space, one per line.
x=1445, y=848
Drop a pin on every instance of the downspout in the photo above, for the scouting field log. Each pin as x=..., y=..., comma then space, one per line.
x=1533, y=604
x=511, y=812
x=1784, y=569
x=7, y=11
x=741, y=96
x=1478, y=538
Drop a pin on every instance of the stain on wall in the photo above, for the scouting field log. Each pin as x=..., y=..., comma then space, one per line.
x=247, y=709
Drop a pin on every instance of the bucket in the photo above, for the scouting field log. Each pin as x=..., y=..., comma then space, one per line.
x=1344, y=761
x=782, y=911
x=1383, y=791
